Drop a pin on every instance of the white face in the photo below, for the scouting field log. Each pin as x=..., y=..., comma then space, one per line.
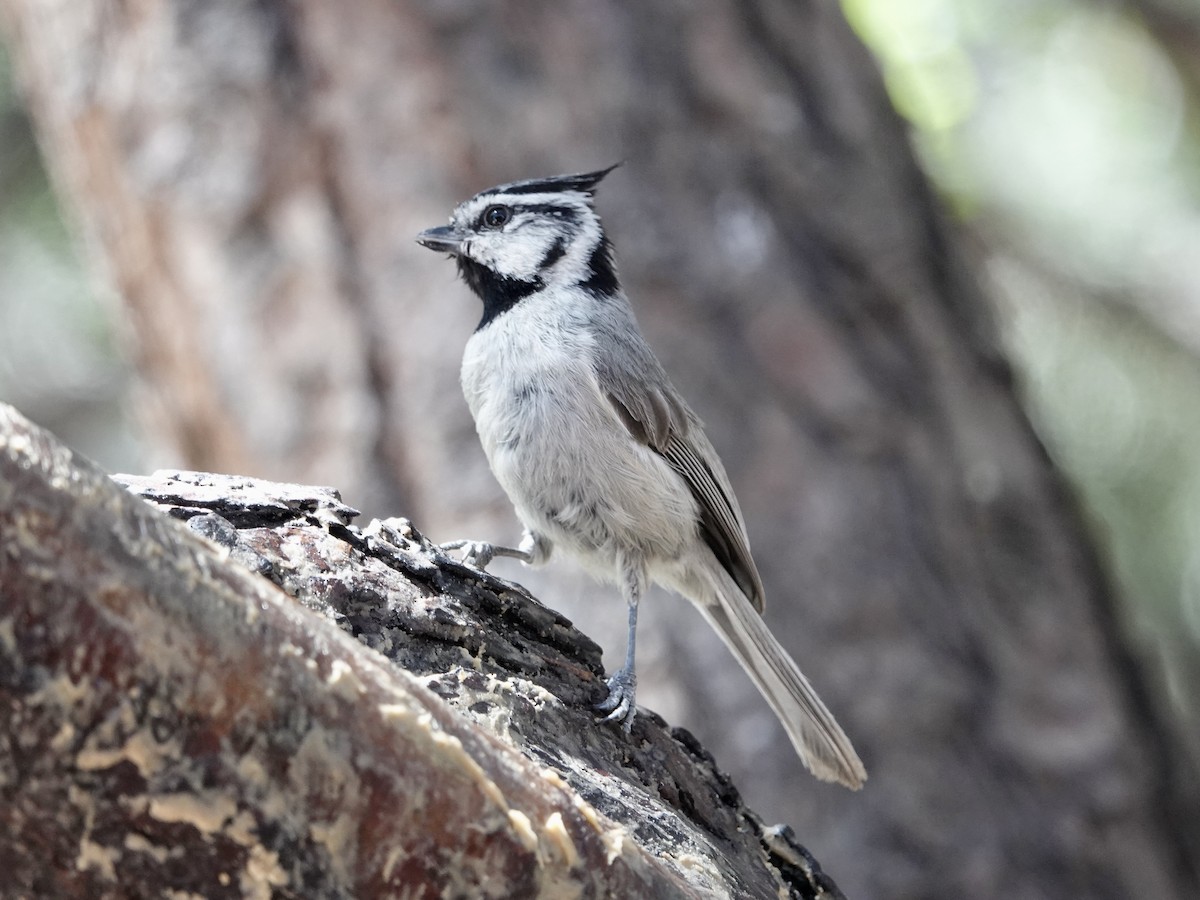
x=524, y=239
x=545, y=237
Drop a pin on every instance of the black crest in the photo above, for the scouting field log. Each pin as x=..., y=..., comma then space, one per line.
x=584, y=183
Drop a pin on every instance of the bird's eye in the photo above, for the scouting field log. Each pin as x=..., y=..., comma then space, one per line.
x=496, y=216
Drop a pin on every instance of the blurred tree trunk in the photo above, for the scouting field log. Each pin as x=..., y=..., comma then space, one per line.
x=252, y=174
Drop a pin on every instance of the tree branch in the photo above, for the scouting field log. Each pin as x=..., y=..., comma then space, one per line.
x=175, y=720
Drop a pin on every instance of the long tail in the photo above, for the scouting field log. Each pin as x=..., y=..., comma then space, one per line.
x=819, y=740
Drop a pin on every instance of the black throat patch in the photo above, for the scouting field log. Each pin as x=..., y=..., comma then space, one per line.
x=498, y=293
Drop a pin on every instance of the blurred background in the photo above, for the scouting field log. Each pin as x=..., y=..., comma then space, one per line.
x=1062, y=138
x=1065, y=138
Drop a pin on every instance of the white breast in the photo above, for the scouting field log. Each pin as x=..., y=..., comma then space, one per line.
x=522, y=373
x=555, y=444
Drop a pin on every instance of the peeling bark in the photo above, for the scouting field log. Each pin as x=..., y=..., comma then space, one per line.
x=240, y=693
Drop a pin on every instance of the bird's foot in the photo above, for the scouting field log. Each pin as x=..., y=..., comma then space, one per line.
x=480, y=554
x=621, y=702
x=474, y=553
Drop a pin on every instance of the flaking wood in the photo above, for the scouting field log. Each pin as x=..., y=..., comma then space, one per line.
x=227, y=688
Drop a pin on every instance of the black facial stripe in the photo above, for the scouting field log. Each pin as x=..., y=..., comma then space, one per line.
x=602, y=275
x=556, y=252
x=499, y=294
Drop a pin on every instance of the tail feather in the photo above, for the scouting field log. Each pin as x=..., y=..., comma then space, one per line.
x=819, y=740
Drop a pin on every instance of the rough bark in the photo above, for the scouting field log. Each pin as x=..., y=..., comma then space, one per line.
x=173, y=721
x=252, y=174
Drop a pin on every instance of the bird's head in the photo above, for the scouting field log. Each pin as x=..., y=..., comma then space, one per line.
x=517, y=239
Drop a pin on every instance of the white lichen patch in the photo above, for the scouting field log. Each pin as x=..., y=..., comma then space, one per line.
x=91, y=759
x=26, y=535
x=397, y=711
x=389, y=864
x=700, y=871
x=589, y=814
x=140, y=748
x=337, y=836
x=322, y=774
x=241, y=829
x=63, y=692
x=252, y=772
x=294, y=550
x=93, y=856
x=262, y=874
x=421, y=725
x=614, y=844
x=212, y=688
x=207, y=811
x=137, y=843
x=453, y=750
x=474, y=660
x=253, y=610
x=491, y=700
x=18, y=445
x=63, y=738
x=523, y=828
x=774, y=838
x=540, y=697
x=695, y=863
x=344, y=682
x=559, y=839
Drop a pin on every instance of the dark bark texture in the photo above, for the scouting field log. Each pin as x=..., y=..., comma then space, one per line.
x=252, y=175
x=174, y=722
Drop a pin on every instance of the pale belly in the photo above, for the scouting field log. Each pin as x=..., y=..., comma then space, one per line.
x=575, y=474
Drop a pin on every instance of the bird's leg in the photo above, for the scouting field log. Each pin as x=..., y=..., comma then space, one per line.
x=534, y=551
x=621, y=703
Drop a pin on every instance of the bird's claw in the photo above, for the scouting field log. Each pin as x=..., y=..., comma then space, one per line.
x=621, y=702
x=478, y=554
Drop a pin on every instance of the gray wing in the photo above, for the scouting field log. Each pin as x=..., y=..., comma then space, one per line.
x=656, y=416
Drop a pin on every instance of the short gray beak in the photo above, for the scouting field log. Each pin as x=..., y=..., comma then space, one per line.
x=443, y=239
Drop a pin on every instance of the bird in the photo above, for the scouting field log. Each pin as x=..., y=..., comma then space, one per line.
x=599, y=454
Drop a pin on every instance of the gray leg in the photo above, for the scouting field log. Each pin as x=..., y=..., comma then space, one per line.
x=621, y=703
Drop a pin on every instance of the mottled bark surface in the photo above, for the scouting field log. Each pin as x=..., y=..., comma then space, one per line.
x=173, y=721
x=252, y=176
